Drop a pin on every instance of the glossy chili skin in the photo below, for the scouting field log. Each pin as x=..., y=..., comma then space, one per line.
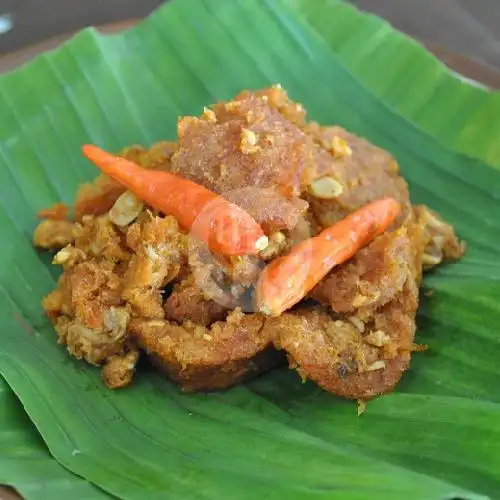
x=286, y=280
x=223, y=226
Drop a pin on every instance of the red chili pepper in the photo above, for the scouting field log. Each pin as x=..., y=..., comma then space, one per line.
x=286, y=280
x=225, y=227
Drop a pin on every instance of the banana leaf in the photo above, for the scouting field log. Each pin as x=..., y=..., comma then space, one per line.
x=437, y=436
x=25, y=461
x=408, y=78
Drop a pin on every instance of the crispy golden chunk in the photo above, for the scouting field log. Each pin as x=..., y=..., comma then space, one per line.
x=343, y=360
x=99, y=237
x=443, y=243
x=363, y=345
x=159, y=249
x=88, y=312
x=119, y=371
x=97, y=344
x=366, y=174
x=202, y=358
x=110, y=274
x=277, y=98
x=52, y=234
x=248, y=151
x=58, y=211
x=97, y=197
x=187, y=303
x=375, y=275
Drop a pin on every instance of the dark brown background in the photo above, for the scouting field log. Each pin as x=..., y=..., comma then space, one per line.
x=468, y=26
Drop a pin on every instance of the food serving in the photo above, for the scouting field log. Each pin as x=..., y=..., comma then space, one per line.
x=257, y=235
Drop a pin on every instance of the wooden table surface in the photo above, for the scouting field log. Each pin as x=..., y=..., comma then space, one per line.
x=463, y=33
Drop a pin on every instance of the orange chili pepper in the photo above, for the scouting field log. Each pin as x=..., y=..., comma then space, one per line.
x=223, y=226
x=286, y=280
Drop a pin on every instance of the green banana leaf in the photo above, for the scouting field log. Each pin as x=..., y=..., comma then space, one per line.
x=408, y=78
x=436, y=437
x=25, y=461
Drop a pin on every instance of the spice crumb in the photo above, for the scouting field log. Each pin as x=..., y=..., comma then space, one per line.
x=361, y=407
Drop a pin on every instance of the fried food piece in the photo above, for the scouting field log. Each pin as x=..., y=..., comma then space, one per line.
x=97, y=197
x=108, y=275
x=88, y=312
x=339, y=358
x=187, y=302
x=277, y=98
x=443, y=243
x=294, y=178
x=126, y=209
x=287, y=280
x=58, y=211
x=95, y=345
x=375, y=275
x=93, y=287
x=363, y=351
x=90, y=281
x=270, y=209
x=99, y=237
x=52, y=234
x=119, y=371
x=243, y=146
x=199, y=358
x=159, y=248
x=366, y=174
x=222, y=279
x=156, y=157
